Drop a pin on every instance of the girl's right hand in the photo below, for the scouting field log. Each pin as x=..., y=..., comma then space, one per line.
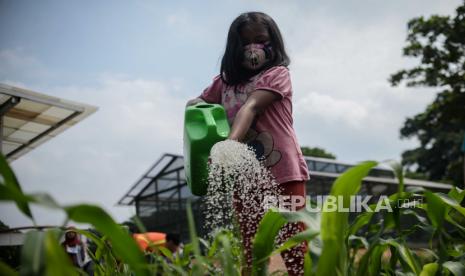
x=194, y=101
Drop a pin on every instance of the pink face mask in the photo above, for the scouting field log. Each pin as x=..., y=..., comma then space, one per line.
x=256, y=55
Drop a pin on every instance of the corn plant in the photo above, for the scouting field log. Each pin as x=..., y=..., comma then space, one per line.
x=376, y=235
x=370, y=244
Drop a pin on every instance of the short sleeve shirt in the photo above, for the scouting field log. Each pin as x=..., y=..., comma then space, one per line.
x=272, y=134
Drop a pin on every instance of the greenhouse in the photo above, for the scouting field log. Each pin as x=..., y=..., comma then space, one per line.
x=161, y=194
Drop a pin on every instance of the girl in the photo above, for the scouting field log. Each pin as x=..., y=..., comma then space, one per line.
x=254, y=86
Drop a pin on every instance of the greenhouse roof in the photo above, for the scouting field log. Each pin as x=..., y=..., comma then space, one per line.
x=28, y=119
x=168, y=173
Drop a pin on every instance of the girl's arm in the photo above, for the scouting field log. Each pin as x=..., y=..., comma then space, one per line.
x=194, y=101
x=211, y=94
x=255, y=104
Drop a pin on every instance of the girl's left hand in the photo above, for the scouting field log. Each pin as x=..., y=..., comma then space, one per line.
x=194, y=102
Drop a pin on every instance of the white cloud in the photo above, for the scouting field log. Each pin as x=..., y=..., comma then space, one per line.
x=326, y=107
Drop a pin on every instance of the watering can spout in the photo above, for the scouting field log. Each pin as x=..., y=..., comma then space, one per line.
x=204, y=126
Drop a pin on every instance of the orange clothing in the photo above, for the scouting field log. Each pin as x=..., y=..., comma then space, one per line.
x=148, y=240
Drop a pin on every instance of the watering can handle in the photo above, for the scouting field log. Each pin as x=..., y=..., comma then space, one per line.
x=210, y=121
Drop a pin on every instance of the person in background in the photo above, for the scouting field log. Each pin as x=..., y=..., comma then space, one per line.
x=75, y=248
x=172, y=242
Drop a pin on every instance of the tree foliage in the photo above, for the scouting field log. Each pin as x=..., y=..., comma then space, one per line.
x=317, y=152
x=439, y=44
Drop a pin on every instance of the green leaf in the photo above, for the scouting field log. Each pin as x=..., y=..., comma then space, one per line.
x=192, y=232
x=435, y=209
x=11, y=190
x=139, y=224
x=263, y=243
x=374, y=267
x=185, y=257
x=311, y=219
x=308, y=270
x=457, y=194
x=227, y=258
x=369, y=264
x=398, y=171
x=57, y=261
x=334, y=225
x=298, y=238
x=166, y=252
x=361, y=220
x=5, y=270
x=44, y=200
x=32, y=254
x=198, y=266
x=122, y=243
x=91, y=236
x=405, y=255
x=456, y=268
x=362, y=240
x=451, y=202
x=214, y=246
x=104, y=251
x=222, y=248
x=429, y=269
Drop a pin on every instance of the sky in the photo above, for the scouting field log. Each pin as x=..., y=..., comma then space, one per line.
x=140, y=61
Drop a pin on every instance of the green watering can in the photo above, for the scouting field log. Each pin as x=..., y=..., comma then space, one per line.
x=204, y=125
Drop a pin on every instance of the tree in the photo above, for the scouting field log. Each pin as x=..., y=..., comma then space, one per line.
x=317, y=152
x=439, y=44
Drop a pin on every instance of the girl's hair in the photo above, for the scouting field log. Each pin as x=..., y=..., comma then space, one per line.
x=232, y=72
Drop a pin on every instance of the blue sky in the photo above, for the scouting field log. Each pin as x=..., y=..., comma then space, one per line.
x=139, y=61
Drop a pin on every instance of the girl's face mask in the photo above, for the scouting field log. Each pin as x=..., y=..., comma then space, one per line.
x=256, y=55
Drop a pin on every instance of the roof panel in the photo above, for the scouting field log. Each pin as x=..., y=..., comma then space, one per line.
x=160, y=166
x=8, y=130
x=57, y=112
x=164, y=164
x=35, y=119
x=176, y=164
x=13, y=123
x=148, y=191
x=4, y=98
x=32, y=106
x=140, y=185
x=48, y=119
x=34, y=127
x=8, y=147
x=22, y=135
